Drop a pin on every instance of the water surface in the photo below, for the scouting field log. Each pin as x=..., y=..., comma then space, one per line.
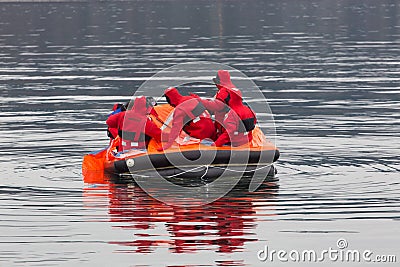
x=329, y=69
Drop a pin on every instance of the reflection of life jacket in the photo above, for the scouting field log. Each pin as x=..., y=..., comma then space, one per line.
x=133, y=131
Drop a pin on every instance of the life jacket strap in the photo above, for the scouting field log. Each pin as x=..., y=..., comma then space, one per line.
x=131, y=136
x=246, y=125
x=198, y=109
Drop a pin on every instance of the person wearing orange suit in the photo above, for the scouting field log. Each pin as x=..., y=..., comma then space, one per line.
x=189, y=115
x=135, y=127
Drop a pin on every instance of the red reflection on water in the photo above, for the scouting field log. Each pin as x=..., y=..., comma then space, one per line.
x=224, y=225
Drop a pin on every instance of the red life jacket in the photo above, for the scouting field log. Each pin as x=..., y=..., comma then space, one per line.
x=237, y=128
x=133, y=131
x=227, y=93
x=248, y=123
x=226, y=89
x=193, y=115
x=189, y=115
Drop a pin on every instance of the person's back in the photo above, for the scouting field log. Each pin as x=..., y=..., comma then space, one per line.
x=189, y=115
x=237, y=126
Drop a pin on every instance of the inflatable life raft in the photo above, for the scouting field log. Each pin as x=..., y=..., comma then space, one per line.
x=188, y=157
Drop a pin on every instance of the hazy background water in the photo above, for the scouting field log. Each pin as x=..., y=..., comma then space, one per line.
x=330, y=70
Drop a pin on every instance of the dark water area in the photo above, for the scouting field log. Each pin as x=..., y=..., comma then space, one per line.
x=329, y=69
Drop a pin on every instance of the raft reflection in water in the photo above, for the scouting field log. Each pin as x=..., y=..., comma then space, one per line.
x=224, y=225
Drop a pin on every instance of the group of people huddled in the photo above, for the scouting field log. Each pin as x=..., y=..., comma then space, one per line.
x=232, y=124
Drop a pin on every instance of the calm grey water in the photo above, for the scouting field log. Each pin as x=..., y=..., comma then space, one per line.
x=330, y=70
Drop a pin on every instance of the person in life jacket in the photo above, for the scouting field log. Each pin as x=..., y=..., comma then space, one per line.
x=238, y=125
x=135, y=127
x=227, y=92
x=234, y=121
x=112, y=132
x=189, y=115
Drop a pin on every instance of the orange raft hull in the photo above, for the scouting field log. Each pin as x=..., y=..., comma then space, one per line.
x=187, y=158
